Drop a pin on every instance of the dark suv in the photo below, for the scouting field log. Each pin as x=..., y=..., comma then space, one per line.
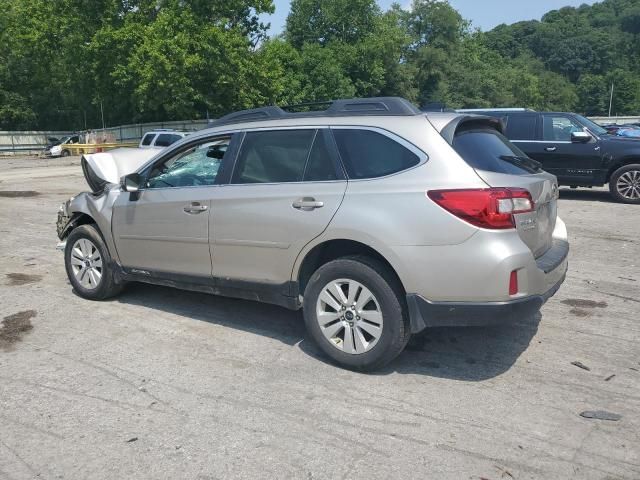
x=576, y=150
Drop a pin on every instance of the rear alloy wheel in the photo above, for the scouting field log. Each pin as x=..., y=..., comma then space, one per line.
x=354, y=309
x=625, y=184
x=66, y=153
x=349, y=316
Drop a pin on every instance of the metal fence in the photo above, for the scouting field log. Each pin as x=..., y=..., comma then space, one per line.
x=29, y=142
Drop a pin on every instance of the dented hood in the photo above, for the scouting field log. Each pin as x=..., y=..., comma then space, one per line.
x=108, y=167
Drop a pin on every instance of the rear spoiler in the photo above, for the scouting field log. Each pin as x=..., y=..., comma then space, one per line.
x=470, y=122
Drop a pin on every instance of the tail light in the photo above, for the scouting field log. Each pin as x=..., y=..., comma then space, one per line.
x=491, y=208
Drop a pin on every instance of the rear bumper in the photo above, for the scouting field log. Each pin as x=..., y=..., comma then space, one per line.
x=552, y=267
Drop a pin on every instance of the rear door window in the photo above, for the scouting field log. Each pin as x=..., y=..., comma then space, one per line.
x=488, y=150
x=369, y=154
x=166, y=139
x=148, y=138
x=320, y=166
x=276, y=156
x=521, y=127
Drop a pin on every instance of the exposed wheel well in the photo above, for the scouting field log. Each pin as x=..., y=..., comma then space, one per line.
x=78, y=219
x=620, y=165
x=333, y=249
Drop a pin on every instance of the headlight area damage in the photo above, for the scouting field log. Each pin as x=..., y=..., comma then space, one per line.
x=102, y=172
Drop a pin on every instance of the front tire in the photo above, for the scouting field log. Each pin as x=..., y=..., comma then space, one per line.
x=66, y=153
x=354, y=309
x=88, y=264
x=624, y=184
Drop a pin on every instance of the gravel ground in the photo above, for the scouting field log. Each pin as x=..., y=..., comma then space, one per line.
x=163, y=383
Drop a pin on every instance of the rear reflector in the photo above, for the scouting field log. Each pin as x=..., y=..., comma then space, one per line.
x=491, y=208
x=513, y=283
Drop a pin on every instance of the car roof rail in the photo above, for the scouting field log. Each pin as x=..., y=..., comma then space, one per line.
x=377, y=106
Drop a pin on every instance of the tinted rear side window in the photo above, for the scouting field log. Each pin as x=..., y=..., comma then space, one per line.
x=166, y=139
x=148, y=138
x=488, y=150
x=368, y=154
x=273, y=157
x=521, y=127
x=320, y=166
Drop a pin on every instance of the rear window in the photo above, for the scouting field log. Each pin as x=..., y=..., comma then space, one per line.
x=368, y=154
x=488, y=150
x=166, y=139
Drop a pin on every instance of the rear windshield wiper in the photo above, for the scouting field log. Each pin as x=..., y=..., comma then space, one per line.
x=525, y=163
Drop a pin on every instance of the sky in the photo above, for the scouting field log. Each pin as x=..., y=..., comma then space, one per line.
x=484, y=14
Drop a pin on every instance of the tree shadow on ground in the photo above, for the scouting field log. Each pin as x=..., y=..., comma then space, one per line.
x=468, y=354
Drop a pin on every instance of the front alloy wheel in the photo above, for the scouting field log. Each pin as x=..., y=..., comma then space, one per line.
x=349, y=316
x=86, y=263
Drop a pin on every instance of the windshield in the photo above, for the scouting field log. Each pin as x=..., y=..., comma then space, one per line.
x=65, y=139
x=594, y=127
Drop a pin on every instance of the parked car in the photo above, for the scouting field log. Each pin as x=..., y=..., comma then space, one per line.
x=376, y=219
x=59, y=150
x=51, y=142
x=161, y=138
x=579, y=152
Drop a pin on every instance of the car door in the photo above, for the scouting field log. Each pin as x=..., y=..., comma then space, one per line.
x=285, y=188
x=572, y=162
x=164, y=228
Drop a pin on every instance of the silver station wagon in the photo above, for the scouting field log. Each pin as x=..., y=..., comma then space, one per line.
x=376, y=219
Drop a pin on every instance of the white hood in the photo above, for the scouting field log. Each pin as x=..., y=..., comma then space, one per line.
x=109, y=167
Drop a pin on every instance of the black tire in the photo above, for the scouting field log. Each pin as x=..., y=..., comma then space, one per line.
x=66, y=153
x=107, y=286
x=615, y=189
x=383, y=284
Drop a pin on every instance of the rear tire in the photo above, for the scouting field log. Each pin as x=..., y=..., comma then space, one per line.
x=89, y=265
x=354, y=334
x=66, y=153
x=624, y=184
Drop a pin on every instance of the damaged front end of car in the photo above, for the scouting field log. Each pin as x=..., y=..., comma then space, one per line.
x=102, y=171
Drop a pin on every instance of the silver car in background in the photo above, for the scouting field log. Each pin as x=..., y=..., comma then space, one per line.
x=376, y=219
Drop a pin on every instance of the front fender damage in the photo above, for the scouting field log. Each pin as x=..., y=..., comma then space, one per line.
x=87, y=208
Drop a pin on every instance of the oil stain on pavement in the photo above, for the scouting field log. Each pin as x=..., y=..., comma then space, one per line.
x=16, y=279
x=14, y=327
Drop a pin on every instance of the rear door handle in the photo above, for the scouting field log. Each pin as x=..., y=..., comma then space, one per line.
x=195, y=208
x=550, y=149
x=307, y=203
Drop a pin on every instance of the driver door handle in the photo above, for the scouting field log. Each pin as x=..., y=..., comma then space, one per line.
x=550, y=149
x=307, y=203
x=195, y=208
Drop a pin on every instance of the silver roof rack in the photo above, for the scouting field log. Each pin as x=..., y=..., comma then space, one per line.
x=379, y=106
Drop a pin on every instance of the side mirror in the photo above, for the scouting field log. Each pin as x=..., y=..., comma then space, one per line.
x=580, y=137
x=130, y=183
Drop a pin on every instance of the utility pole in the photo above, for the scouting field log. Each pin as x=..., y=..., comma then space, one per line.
x=102, y=113
x=611, y=99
